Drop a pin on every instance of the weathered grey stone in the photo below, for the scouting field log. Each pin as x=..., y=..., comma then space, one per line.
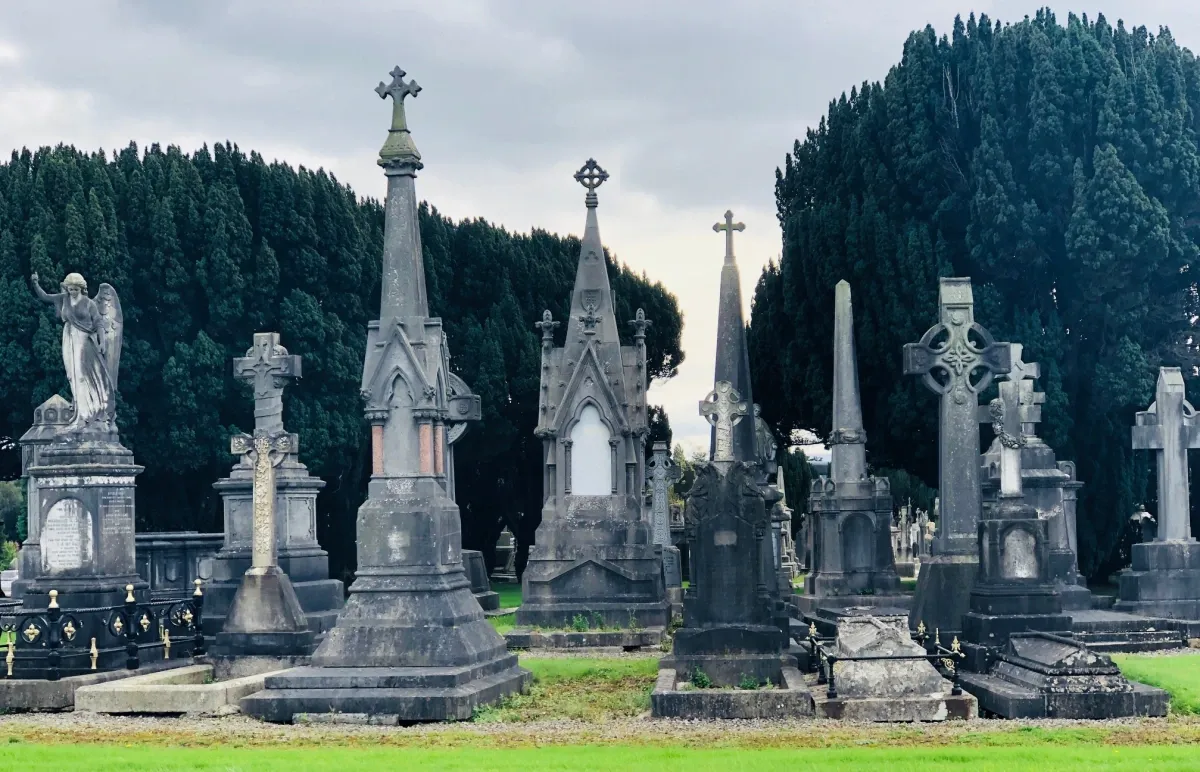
x=267, y=367
x=481, y=588
x=850, y=513
x=411, y=640
x=956, y=359
x=1164, y=578
x=189, y=689
x=629, y=640
x=864, y=635
x=506, y=557
x=789, y=699
x=594, y=552
x=21, y=694
x=1038, y=675
x=173, y=561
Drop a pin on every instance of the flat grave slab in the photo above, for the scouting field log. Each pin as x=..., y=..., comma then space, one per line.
x=187, y=689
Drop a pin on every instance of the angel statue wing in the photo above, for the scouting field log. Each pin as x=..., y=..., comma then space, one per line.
x=112, y=329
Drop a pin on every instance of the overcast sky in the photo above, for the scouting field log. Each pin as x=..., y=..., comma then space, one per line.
x=690, y=105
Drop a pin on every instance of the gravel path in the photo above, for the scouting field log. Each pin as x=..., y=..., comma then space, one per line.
x=239, y=730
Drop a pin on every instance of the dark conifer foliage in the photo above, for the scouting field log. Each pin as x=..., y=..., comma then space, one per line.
x=208, y=248
x=1057, y=166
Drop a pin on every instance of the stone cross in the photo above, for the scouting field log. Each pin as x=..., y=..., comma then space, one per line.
x=264, y=450
x=267, y=367
x=1005, y=413
x=663, y=472
x=1170, y=428
x=723, y=408
x=729, y=226
x=398, y=89
x=956, y=359
x=591, y=176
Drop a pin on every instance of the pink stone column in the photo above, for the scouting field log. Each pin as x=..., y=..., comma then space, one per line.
x=377, y=449
x=425, y=438
x=439, y=448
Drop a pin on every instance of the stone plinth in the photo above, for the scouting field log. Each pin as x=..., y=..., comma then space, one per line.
x=629, y=640
x=298, y=553
x=1163, y=580
x=477, y=574
x=38, y=694
x=1037, y=675
x=852, y=539
x=790, y=698
x=81, y=539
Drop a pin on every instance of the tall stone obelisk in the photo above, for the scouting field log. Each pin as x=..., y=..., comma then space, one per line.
x=852, y=513
x=411, y=644
x=733, y=355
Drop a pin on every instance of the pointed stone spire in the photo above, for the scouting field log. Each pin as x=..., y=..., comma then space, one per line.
x=403, y=295
x=849, y=455
x=733, y=359
x=592, y=315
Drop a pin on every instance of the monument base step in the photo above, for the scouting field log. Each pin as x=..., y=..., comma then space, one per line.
x=189, y=690
x=630, y=640
x=1111, y=631
x=1074, y=597
x=791, y=699
x=488, y=601
x=941, y=707
x=943, y=593
x=998, y=697
x=727, y=670
x=22, y=694
x=226, y=668
x=394, y=695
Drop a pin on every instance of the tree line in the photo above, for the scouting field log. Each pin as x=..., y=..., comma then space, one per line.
x=207, y=248
x=1057, y=166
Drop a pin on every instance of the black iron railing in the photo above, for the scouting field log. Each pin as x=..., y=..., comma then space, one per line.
x=53, y=642
x=822, y=661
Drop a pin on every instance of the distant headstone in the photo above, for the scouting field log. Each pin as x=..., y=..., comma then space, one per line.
x=664, y=472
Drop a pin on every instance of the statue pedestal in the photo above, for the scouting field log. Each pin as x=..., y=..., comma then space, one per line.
x=298, y=553
x=265, y=618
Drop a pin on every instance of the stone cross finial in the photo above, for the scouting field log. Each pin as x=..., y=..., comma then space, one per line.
x=663, y=472
x=956, y=359
x=264, y=450
x=547, y=326
x=399, y=147
x=1005, y=412
x=723, y=408
x=1170, y=428
x=591, y=176
x=1023, y=374
x=639, y=322
x=729, y=226
x=268, y=368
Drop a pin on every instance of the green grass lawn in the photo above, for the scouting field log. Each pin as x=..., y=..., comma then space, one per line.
x=509, y=592
x=579, y=688
x=1179, y=675
x=504, y=622
x=116, y=758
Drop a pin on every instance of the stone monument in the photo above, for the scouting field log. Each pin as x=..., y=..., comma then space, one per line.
x=730, y=631
x=1164, y=579
x=267, y=368
x=265, y=617
x=851, y=512
x=663, y=473
x=411, y=643
x=956, y=359
x=1047, y=484
x=1014, y=592
x=80, y=477
x=593, y=555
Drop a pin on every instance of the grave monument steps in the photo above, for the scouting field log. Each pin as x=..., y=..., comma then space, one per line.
x=411, y=641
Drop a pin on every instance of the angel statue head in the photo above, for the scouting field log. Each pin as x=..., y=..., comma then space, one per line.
x=91, y=349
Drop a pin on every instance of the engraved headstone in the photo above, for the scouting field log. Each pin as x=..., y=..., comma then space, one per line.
x=664, y=472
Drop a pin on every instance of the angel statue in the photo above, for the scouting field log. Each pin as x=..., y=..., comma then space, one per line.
x=91, y=347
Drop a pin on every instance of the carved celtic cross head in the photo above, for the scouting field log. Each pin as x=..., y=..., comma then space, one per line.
x=591, y=176
x=263, y=445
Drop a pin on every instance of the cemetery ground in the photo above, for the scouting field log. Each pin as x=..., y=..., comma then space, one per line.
x=592, y=713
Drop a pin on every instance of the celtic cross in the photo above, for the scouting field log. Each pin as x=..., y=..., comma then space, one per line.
x=729, y=226
x=591, y=176
x=264, y=450
x=268, y=368
x=663, y=472
x=956, y=359
x=724, y=409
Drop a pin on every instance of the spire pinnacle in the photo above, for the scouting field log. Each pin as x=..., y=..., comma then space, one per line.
x=399, y=149
x=849, y=455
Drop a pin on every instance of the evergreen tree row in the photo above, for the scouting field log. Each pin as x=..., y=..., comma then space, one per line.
x=208, y=248
x=1057, y=166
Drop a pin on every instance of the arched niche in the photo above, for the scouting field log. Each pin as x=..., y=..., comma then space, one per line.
x=591, y=454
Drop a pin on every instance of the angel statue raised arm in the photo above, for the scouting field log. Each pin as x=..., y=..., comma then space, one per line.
x=91, y=348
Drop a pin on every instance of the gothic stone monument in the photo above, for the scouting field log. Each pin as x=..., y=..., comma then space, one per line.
x=267, y=368
x=1047, y=484
x=593, y=554
x=80, y=477
x=730, y=631
x=411, y=643
x=1164, y=579
x=1014, y=591
x=851, y=512
x=956, y=359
